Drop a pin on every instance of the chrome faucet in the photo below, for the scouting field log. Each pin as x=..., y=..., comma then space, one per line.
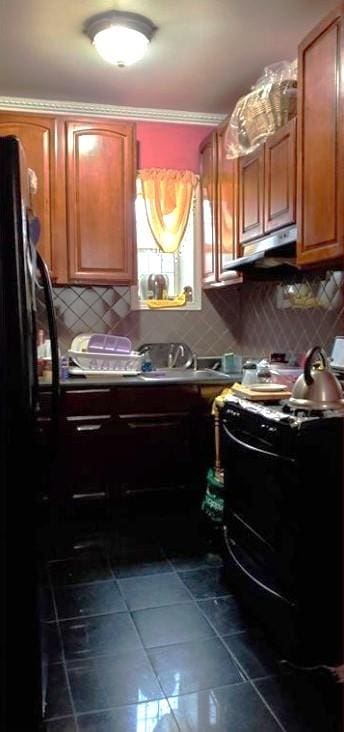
x=173, y=357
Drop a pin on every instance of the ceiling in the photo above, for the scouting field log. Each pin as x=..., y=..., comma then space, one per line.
x=204, y=55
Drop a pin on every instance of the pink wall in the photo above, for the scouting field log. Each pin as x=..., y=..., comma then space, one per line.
x=166, y=145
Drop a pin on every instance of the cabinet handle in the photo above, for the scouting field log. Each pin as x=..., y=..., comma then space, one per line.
x=88, y=427
x=96, y=494
x=150, y=425
x=85, y=417
x=87, y=391
x=247, y=446
x=153, y=415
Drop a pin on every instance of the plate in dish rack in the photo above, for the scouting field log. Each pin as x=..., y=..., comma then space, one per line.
x=268, y=387
x=75, y=371
x=80, y=342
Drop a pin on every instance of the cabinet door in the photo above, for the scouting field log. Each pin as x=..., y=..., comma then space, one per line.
x=208, y=175
x=156, y=437
x=251, y=196
x=280, y=178
x=320, y=206
x=100, y=197
x=226, y=244
x=38, y=137
x=161, y=446
x=86, y=459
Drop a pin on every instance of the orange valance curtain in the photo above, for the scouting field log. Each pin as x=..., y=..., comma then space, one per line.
x=168, y=196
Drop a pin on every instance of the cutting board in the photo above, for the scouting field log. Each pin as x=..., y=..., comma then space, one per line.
x=259, y=396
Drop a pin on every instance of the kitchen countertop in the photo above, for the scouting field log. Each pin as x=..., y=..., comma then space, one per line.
x=190, y=377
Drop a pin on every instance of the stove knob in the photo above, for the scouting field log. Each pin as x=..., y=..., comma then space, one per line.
x=232, y=413
x=268, y=428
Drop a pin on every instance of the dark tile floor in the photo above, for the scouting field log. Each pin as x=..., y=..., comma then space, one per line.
x=142, y=634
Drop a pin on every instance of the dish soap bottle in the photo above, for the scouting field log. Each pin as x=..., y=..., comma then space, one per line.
x=147, y=363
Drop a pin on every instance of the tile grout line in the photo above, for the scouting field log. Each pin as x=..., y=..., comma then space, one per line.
x=267, y=705
x=210, y=623
x=193, y=600
x=64, y=663
x=229, y=651
x=143, y=646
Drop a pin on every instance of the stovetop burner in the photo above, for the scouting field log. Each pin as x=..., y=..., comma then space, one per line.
x=302, y=412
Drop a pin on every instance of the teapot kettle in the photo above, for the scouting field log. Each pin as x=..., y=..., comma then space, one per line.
x=317, y=387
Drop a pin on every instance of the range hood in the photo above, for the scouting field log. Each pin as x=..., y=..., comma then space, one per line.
x=277, y=251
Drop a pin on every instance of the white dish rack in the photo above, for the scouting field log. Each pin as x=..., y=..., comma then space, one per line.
x=110, y=363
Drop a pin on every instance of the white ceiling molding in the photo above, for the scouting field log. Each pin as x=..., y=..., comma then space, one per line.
x=108, y=110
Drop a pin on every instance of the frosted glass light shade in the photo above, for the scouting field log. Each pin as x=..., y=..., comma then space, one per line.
x=120, y=46
x=120, y=38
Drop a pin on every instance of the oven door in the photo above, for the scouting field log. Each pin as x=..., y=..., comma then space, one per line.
x=261, y=491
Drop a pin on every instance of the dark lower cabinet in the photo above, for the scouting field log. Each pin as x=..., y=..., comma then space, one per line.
x=119, y=441
x=158, y=451
x=85, y=460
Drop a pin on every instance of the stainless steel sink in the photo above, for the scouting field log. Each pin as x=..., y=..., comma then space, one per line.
x=179, y=375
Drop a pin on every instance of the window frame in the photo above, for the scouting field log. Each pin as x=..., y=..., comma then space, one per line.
x=137, y=304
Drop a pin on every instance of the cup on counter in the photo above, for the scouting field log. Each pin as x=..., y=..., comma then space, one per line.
x=231, y=363
x=249, y=373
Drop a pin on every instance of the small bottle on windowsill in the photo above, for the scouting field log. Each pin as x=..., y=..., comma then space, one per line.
x=188, y=294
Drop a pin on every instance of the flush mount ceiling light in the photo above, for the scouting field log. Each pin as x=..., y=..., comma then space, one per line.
x=120, y=38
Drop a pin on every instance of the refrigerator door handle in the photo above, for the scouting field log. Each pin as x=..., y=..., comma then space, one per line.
x=55, y=385
x=33, y=232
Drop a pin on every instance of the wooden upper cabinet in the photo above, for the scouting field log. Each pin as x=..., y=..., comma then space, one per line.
x=208, y=176
x=280, y=178
x=251, y=196
x=320, y=205
x=38, y=137
x=226, y=249
x=100, y=187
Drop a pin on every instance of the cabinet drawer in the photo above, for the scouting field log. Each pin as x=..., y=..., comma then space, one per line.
x=155, y=424
x=83, y=402
x=87, y=426
x=156, y=400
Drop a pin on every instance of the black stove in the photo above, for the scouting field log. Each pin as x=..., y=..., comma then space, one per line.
x=284, y=485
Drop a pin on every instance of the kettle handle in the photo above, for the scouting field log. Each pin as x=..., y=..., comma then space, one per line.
x=308, y=363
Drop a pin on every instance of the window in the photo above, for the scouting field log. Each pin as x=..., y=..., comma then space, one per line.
x=180, y=270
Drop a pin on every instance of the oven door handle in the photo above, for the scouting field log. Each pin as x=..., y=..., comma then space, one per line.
x=248, y=574
x=258, y=450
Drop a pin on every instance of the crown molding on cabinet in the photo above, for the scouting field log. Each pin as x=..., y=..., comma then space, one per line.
x=108, y=110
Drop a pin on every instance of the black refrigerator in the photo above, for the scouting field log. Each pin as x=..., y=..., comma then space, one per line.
x=22, y=271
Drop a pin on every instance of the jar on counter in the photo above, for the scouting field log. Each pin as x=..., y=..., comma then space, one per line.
x=47, y=369
x=157, y=286
x=263, y=372
x=249, y=373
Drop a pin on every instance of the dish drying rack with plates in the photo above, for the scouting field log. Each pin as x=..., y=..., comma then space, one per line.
x=99, y=355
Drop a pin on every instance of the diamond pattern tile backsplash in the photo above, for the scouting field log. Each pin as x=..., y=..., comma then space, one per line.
x=292, y=316
x=254, y=319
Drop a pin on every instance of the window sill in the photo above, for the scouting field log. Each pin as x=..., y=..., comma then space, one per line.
x=136, y=304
